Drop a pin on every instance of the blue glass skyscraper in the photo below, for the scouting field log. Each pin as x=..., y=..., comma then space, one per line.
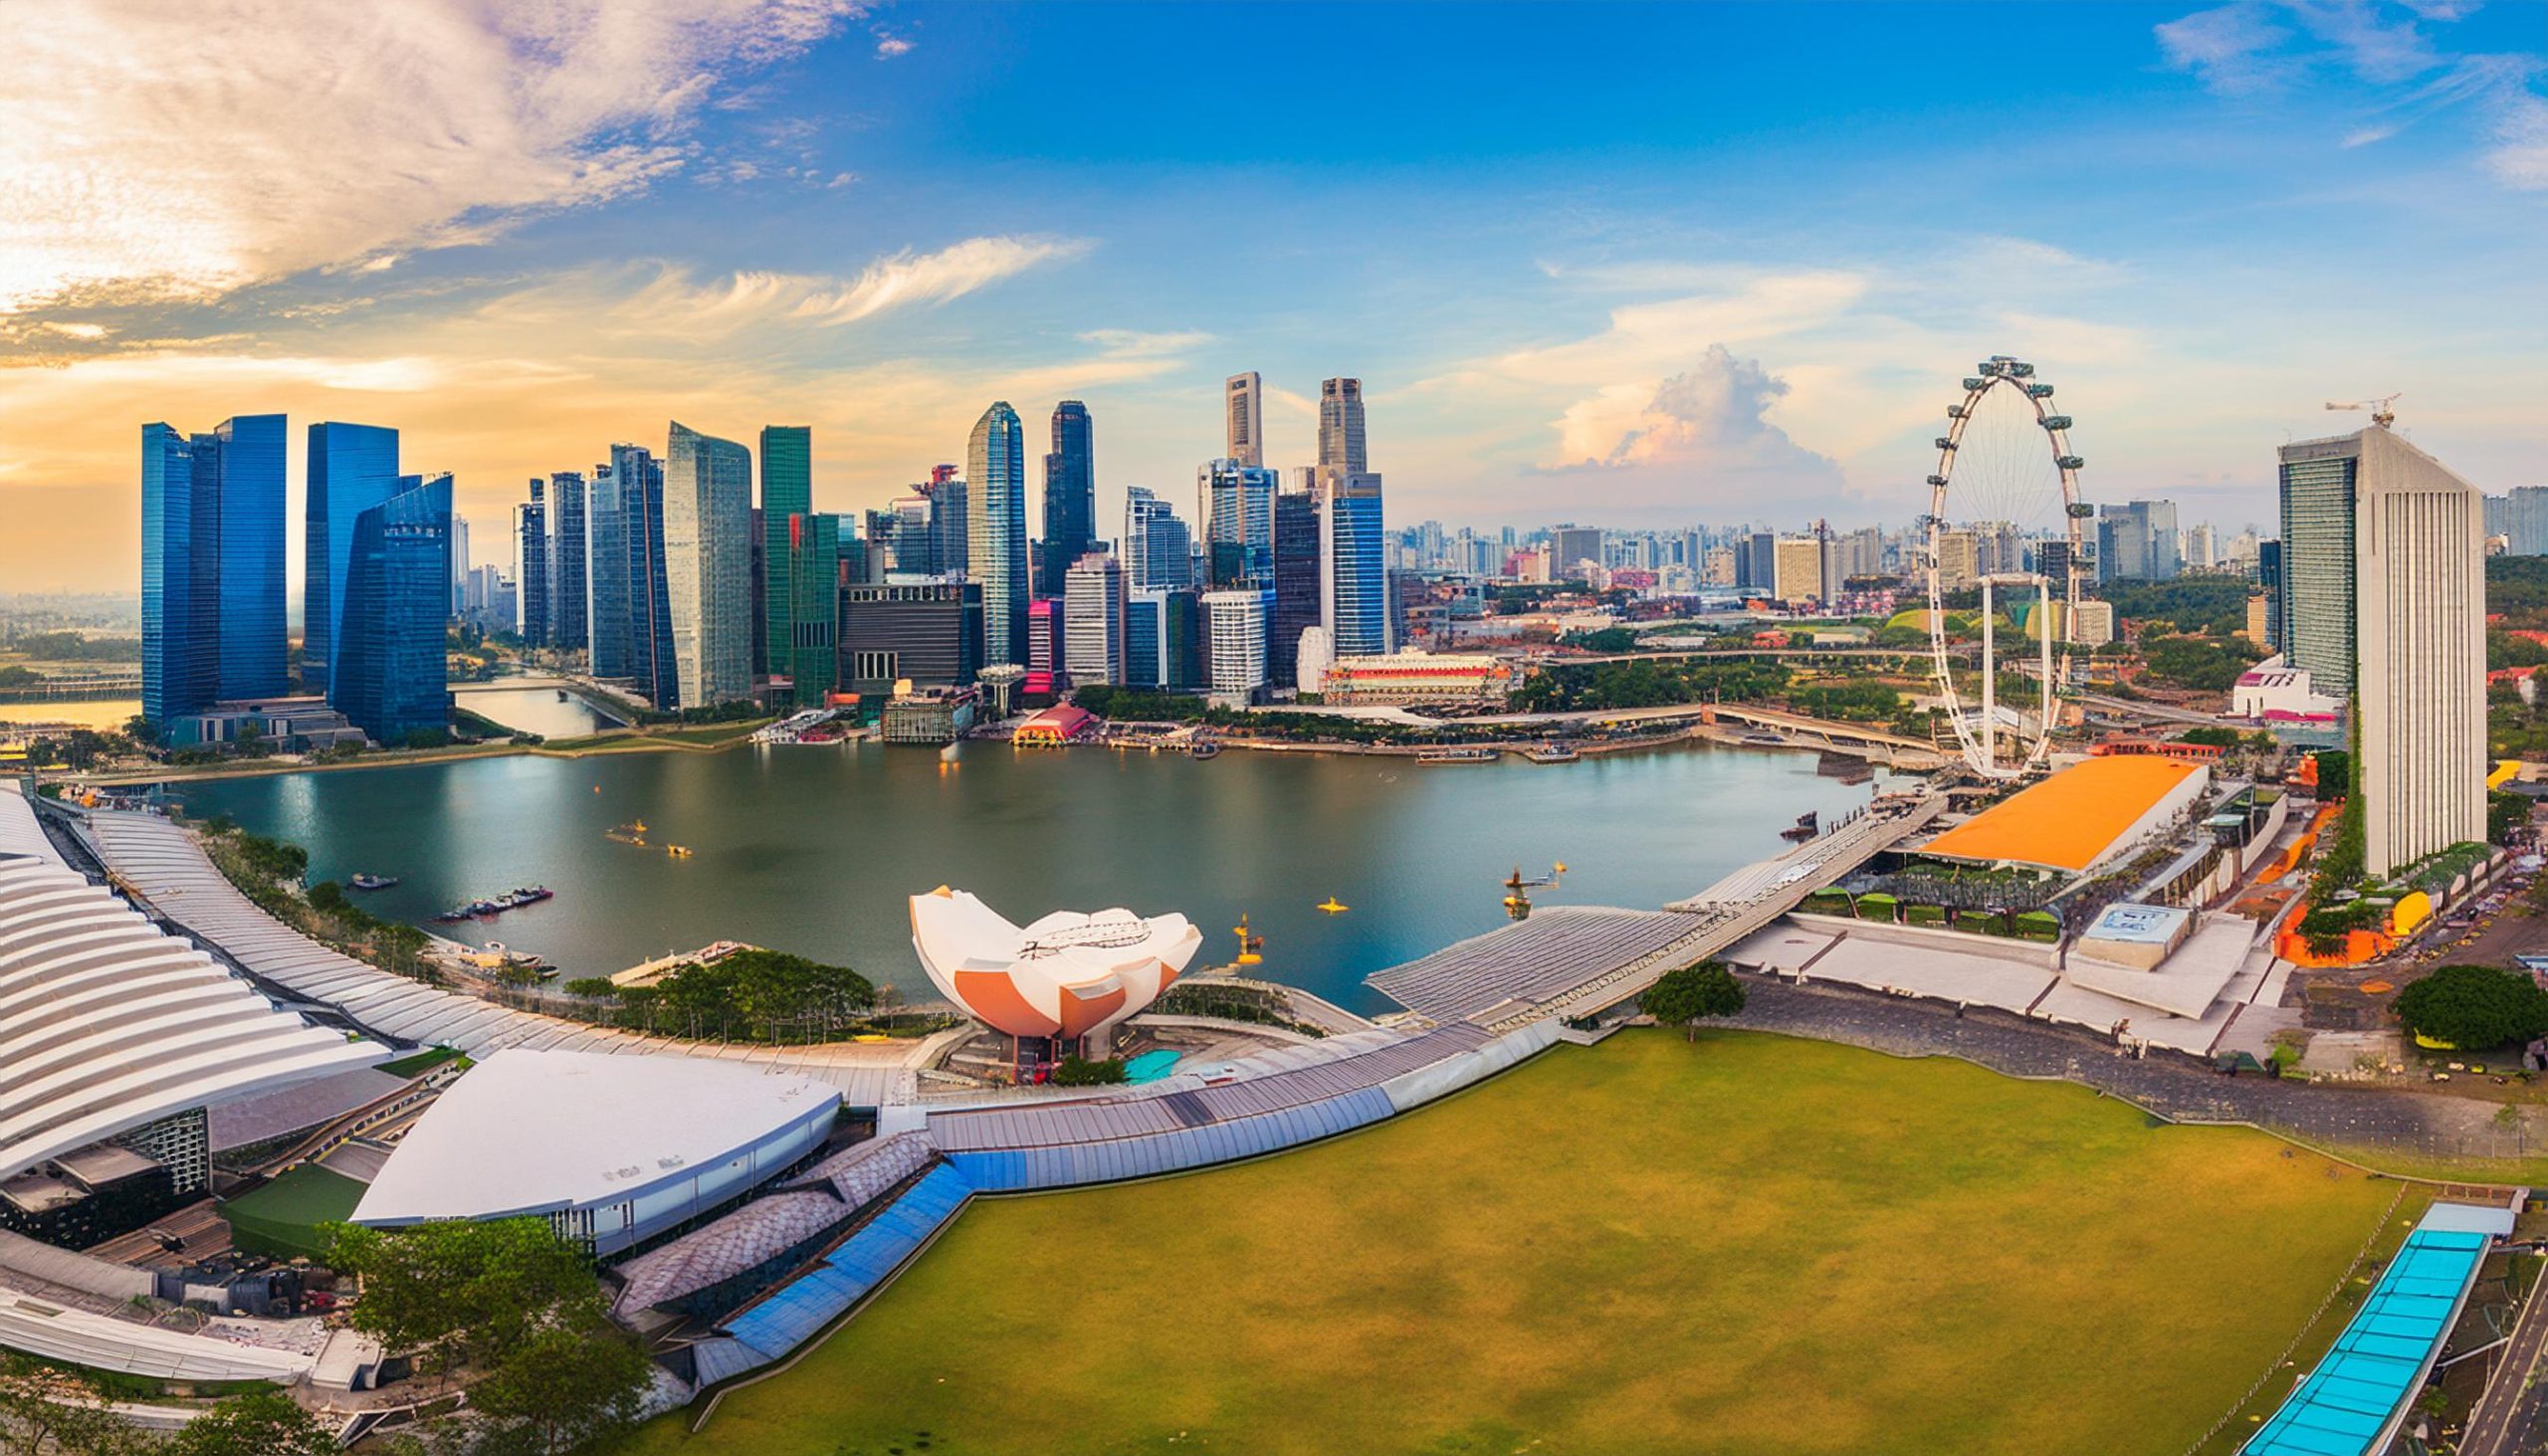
x=1070, y=497
x=388, y=679
x=629, y=586
x=351, y=469
x=1358, y=578
x=996, y=465
x=212, y=557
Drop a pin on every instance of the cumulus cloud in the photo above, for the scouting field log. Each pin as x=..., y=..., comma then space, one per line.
x=1708, y=423
x=2231, y=48
x=159, y=152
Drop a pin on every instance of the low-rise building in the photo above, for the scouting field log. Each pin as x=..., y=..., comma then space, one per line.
x=1408, y=678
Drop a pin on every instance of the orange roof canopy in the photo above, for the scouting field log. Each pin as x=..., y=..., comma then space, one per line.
x=2068, y=820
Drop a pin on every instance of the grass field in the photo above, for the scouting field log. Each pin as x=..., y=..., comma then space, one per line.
x=282, y=1218
x=1749, y=1245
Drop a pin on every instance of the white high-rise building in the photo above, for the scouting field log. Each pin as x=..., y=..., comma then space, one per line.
x=2384, y=572
x=1093, y=620
x=1234, y=624
x=707, y=565
x=1245, y=401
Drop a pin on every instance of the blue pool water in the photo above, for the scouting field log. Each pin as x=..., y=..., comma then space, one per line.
x=1151, y=1066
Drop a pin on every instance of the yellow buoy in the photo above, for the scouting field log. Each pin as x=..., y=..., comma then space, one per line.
x=1333, y=907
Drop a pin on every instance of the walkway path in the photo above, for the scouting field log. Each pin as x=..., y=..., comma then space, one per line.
x=2423, y=1122
x=2510, y=1407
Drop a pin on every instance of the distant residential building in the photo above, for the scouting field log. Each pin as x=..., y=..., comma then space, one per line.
x=2259, y=629
x=2091, y=624
x=350, y=470
x=569, y=585
x=2525, y=522
x=1759, y=563
x=1093, y=627
x=995, y=471
x=212, y=566
x=930, y=632
x=1245, y=410
x=2137, y=541
x=1717, y=567
x=1235, y=626
x=2269, y=578
x=1070, y=495
x=1159, y=550
x=1959, y=563
x=707, y=565
x=788, y=493
x=1570, y=546
x=2385, y=565
x=2202, y=547
x=1299, y=582
x=389, y=678
x=1798, y=569
x=531, y=564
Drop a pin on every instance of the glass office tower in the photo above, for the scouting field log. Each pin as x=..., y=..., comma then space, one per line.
x=388, y=677
x=212, y=565
x=351, y=469
x=996, y=547
x=707, y=565
x=787, y=492
x=1070, y=498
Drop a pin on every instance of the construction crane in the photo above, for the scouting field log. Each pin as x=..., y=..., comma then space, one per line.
x=2380, y=414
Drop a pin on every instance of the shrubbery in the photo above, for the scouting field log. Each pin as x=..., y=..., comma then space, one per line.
x=2475, y=1007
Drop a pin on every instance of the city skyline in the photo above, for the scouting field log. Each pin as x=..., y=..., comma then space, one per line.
x=1626, y=317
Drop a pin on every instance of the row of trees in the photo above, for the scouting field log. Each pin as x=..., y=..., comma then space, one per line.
x=47, y=1410
x=748, y=995
x=1650, y=683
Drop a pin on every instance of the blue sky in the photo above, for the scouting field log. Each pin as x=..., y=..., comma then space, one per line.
x=1631, y=264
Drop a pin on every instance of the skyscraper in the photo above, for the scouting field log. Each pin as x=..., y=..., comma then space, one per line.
x=1234, y=631
x=1340, y=428
x=180, y=577
x=1145, y=637
x=350, y=468
x=1157, y=549
x=1357, y=593
x=212, y=560
x=531, y=564
x=787, y=492
x=2406, y=539
x=2525, y=520
x=995, y=544
x=1236, y=502
x=1245, y=406
x=607, y=565
x=808, y=653
x=1300, y=592
x=1093, y=620
x=570, y=618
x=707, y=565
x=950, y=527
x=1070, y=495
x=2269, y=578
x=388, y=677
x=928, y=632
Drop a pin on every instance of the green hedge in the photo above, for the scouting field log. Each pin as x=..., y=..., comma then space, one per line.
x=1924, y=914
x=1826, y=902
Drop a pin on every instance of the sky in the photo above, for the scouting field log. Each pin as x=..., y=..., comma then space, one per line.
x=1631, y=265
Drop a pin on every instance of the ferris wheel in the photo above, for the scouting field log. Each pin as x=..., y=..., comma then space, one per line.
x=2003, y=517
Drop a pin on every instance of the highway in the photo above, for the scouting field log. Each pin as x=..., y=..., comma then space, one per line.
x=2510, y=1409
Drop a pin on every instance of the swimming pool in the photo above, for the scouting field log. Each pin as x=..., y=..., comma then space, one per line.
x=1151, y=1066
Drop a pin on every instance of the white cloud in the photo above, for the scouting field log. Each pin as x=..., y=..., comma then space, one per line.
x=2229, y=48
x=159, y=151
x=888, y=45
x=675, y=303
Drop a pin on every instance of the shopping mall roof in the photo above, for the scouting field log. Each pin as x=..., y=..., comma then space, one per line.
x=536, y=1131
x=2078, y=816
x=108, y=1023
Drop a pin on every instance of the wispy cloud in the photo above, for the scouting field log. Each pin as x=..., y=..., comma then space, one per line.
x=181, y=152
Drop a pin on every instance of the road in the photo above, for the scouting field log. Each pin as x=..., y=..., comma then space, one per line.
x=2510, y=1407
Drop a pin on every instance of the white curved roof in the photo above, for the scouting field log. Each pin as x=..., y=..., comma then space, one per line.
x=1066, y=975
x=57, y=1331
x=527, y=1133
x=19, y=832
x=108, y=1023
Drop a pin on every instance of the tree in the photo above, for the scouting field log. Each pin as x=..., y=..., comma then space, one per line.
x=258, y=1423
x=568, y=1385
x=48, y=1411
x=460, y=1292
x=2475, y=1007
x=1682, y=997
x=1081, y=1072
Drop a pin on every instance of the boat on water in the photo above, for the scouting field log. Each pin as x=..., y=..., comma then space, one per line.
x=1332, y=906
x=1455, y=756
x=677, y=851
x=1205, y=749
x=1251, y=947
x=950, y=753
x=1764, y=740
x=372, y=882
x=633, y=832
x=487, y=910
x=1553, y=753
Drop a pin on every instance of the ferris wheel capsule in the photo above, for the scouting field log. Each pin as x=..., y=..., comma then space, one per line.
x=1944, y=443
x=2039, y=391
x=2056, y=422
x=2070, y=461
x=1972, y=384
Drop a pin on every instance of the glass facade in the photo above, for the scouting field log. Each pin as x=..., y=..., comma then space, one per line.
x=787, y=492
x=1070, y=497
x=606, y=567
x=1358, y=576
x=1145, y=614
x=707, y=565
x=813, y=575
x=251, y=592
x=2318, y=564
x=350, y=468
x=212, y=566
x=390, y=675
x=996, y=473
x=1157, y=549
x=570, y=613
x=530, y=565
x=1297, y=594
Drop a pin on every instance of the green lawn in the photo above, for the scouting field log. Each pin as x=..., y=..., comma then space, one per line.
x=282, y=1217
x=1750, y=1245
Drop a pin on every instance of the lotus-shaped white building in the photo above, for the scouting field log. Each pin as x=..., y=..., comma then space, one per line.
x=1066, y=976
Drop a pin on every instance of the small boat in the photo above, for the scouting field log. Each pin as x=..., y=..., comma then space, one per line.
x=1455, y=756
x=677, y=851
x=1552, y=753
x=1764, y=740
x=1205, y=749
x=947, y=754
x=1330, y=906
x=1251, y=948
x=372, y=882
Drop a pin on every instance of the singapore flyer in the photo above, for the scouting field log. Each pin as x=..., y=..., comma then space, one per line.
x=2004, y=517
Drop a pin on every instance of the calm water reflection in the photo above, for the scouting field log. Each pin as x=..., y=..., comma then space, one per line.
x=814, y=849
